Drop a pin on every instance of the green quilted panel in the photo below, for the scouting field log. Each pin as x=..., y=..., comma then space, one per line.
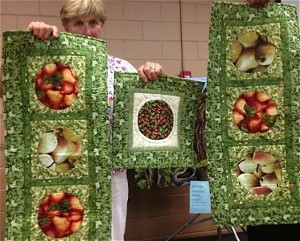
x=154, y=122
x=253, y=114
x=55, y=108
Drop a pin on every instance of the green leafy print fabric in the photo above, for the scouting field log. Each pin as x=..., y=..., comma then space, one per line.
x=55, y=107
x=253, y=114
x=154, y=122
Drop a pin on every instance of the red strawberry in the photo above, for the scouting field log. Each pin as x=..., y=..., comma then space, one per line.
x=57, y=197
x=68, y=75
x=50, y=69
x=239, y=105
x=67, y=88
x=69, y=99
x=254, y=124
x=261, y=96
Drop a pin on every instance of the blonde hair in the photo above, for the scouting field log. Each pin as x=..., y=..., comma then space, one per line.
x=74, y=8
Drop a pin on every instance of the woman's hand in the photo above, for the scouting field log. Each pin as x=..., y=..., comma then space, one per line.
x=42, y=30
x=258, y=3
x=150, y=71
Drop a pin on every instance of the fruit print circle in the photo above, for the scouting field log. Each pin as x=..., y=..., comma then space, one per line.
x=59, y=149
x=254, y=112
x=259, y=173
x=252, y=52
x=155, y=119
x=60, y=215
x=56, y=86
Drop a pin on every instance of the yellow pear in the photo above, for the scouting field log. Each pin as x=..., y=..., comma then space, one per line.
x=47, y=143
x=247, y=60
x=270, y=181
x=63, y=150
x=265, y=54
x=249, y=39
x=236, y=50
x=248, y=180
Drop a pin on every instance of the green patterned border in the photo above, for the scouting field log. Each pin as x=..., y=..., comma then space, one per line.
x=131, y=152
x=225, y=145
x=26, y=118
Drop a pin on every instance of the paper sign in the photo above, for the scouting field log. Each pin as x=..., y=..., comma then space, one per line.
x=199, y=197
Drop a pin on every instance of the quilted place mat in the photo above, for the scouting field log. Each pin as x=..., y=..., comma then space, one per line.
x=55, y=107
x=154, y=122
x=253, y=125
x=153, y=178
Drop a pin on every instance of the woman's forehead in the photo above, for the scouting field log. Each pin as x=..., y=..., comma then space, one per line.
x=87, y=17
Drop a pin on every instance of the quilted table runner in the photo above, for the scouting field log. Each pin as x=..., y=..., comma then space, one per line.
x=253, y=125
x=154, y=122
x=55, y=107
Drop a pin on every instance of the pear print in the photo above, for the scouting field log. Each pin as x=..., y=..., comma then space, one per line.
x=252, y=52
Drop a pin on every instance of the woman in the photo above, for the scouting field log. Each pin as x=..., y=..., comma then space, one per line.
x=87, y=17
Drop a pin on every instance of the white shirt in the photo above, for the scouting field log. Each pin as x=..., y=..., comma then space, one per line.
x=119, y=65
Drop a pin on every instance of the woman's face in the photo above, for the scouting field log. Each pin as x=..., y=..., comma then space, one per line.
x=88, y=25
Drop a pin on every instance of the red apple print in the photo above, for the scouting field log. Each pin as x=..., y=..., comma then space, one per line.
x=60, y=215
x=240, y=105
x=50, y=69
x=254, y=124
x=271, y=110
x=254, y=112
x=75, y=225
x=68, y=75
x=254, y=103
x=55, y=81
x=69, y=99
x=57, y=197
x=261, y=96
x=67, y=88
x=248, y=95
x=237, y=117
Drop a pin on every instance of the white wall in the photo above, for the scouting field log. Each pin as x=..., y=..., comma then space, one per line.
x=294, y=2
